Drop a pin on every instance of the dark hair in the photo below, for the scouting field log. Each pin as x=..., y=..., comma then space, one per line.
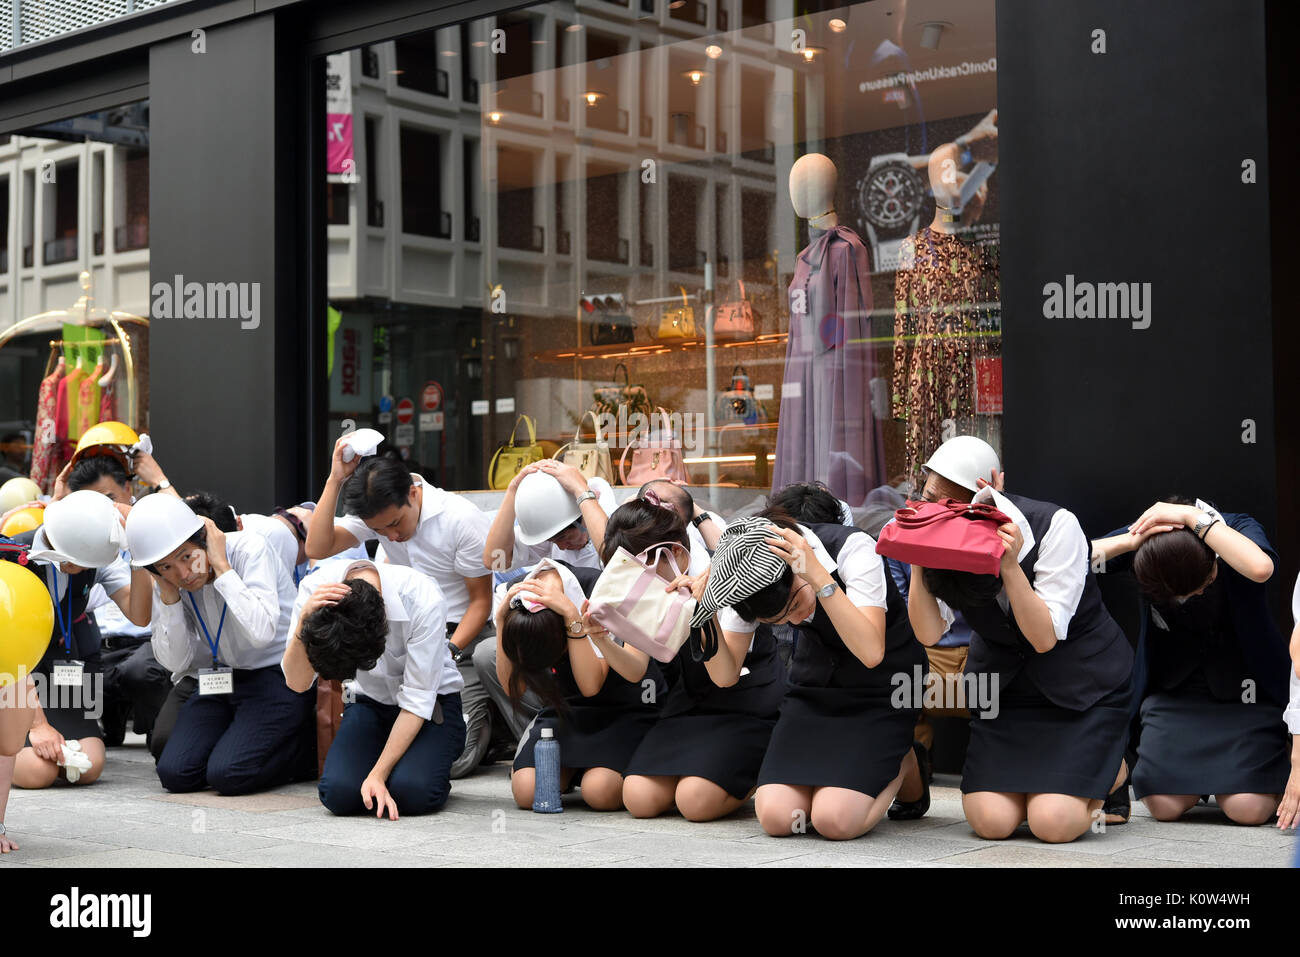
x=534, y=641
x=960, y=590
x=685, y=493
x=199, y=538
x=1172, y=564
x=346, y=637
x=377, y=483
x=770, y=600
x=92, y=468
x=636, y=525
x=808, y=502
x=207, y=505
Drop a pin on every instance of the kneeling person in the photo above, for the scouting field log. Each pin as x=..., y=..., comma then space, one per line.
x=221, y=609
x=384, y=626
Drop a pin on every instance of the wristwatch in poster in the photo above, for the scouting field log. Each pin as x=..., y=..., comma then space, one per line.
x=889, y=199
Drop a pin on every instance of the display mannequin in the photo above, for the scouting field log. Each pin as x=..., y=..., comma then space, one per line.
x=827, y=431
x=946, y=322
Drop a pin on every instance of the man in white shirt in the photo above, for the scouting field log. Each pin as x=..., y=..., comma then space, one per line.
x=431, y=530
x=383, y=626
x=221, y=608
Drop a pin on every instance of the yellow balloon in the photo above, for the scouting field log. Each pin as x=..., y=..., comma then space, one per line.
x=26, y=621
x=24, y=520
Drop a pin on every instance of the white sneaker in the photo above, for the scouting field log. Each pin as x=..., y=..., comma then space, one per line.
x=74, y=761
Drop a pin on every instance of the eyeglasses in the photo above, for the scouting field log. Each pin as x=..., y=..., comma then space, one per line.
x=789, y=606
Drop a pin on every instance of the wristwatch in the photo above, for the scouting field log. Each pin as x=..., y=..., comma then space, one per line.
x=826, y=590
x=162, y=486
x=456, y=653
x=575, y=628
x=1204, y=521
x=889, y=199
x=586, y=495
x=700, y=519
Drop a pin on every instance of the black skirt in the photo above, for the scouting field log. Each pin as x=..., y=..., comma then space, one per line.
x=1036, y=747
x=73, y=712
x=1192, y=743
x=838, y=737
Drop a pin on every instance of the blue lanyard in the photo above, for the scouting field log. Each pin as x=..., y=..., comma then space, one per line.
x=214, y=645
x=65, y=625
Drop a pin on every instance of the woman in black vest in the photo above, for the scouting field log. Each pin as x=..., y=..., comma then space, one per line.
x=1213, y=664
x=1053, y=670
x=600, y=697
x=837, y=754
x=704, y=752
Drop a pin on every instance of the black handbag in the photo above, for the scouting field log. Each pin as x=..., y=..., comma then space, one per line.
x=611, y=328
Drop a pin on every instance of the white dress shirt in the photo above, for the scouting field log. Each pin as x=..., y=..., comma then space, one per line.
x=278, y=535
x=1060, y=571
x=416, y=665
x=860, y=569
x=699, y=550
x=585, y=557
x=447, y=545
x=257, y=594
x=1292, y=713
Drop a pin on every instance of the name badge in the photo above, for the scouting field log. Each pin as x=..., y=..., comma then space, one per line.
x=68, y=674
x=216, y=681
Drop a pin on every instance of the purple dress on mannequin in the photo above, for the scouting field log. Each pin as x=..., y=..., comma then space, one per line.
x=827, y=431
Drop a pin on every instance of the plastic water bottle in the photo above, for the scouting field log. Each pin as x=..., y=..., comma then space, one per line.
x=546, y=776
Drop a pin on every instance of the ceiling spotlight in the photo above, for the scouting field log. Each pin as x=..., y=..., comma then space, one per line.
x=931, y=32
x=713, y=51
x=573, y=27
x=591, y=96
x=695, y=76
x=838, y=26
x=396, y=72
x=495, y=116
x=811, y=53
x=479, y=43
x=677, y=4
x=448, y=52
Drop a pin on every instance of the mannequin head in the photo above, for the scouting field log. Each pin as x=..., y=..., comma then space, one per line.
x=813, y=180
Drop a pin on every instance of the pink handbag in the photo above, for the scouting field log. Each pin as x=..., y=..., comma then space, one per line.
x=630, y=601
x=659, y=458
x=949, y=534
x=735, y=318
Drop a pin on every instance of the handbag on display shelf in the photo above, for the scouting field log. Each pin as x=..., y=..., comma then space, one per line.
x=679, y=321
x=735, y=318
x=329, y=715
x=949, y=534
x=738, y=404
x=590, y=458
x=660, y=457
x=511, y=459
x=611, y=328
x=631, y=396
x=631, y=602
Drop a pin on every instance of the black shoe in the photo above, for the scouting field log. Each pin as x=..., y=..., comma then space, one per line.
x=1118, y=804
x=913, y=810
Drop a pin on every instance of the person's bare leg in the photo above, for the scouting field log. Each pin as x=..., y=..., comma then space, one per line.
x=523, y=785
x=994, y=815
x=1059, y=818
x=648, y=796
x=699, y=799
x=842, y=814
x=912, y=787
x=33, y=772
x=783, y=809
x=1170, y=807
x=1249, y=809
x=602, y=789
x=6, y=778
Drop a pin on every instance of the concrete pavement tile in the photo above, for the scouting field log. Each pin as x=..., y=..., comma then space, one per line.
x=281, y=800
x=298, y=854
x=686, y=847
x=184, y=840
x=1232, y=855
x=135, y=857
x=1015, y=853
x=364, y=832
x=40, y=848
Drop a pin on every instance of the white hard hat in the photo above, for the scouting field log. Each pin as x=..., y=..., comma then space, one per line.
x=543, y=508
x=157, y=526
x=963, y=459
x=18, y=491
x=84, y=528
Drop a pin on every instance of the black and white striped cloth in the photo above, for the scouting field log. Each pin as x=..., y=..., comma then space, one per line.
x=742, y=565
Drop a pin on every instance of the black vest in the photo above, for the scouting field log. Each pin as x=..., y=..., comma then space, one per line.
x=616, y=690
x=1202, y=637
x=85, y=633
x=1092, y=661
x=822, y=660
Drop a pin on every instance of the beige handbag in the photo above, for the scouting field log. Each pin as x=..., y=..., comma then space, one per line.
x=590, y=458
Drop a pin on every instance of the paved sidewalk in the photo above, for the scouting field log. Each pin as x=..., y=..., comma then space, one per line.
x=127, y=820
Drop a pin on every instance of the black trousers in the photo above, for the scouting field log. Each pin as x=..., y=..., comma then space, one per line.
x=261, y=736
x=135, y=687
x=165, y=723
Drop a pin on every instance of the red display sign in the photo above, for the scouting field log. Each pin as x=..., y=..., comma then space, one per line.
x=405, y=411
x=431, y=397
x=988, y=386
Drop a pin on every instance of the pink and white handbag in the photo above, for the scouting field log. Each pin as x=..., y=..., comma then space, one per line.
x=630, y=601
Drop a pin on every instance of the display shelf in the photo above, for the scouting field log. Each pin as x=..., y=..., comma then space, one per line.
x=623, y=350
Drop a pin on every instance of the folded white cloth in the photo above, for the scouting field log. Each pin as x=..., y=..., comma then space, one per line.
x=361, y=443
x=74, y=761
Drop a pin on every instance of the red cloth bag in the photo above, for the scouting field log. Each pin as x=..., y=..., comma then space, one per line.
x=948, y=534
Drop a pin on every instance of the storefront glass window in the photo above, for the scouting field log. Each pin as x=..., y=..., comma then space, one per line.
x=758, y=247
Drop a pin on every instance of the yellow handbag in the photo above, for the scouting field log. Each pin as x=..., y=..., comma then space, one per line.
x=511, y=459
x=679, y=321
x=590, y=458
